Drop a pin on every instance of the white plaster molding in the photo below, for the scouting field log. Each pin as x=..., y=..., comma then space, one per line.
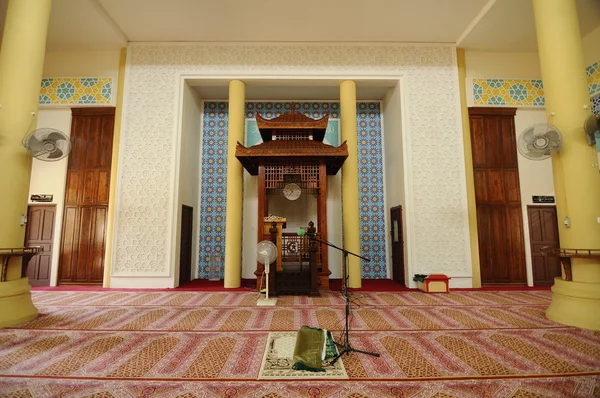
x=438, y=231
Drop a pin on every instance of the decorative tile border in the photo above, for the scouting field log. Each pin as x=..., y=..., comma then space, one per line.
x=593, y=76
x=508, y=92
x=76, y=91
x=511, y=92
x=214, y=177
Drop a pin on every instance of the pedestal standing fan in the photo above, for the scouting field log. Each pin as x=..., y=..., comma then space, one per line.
x=266, y=253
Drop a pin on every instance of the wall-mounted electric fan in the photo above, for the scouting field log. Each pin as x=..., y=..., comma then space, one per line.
x=266, y=253
x=592, y=128
x=539, y=141
x=47, y=144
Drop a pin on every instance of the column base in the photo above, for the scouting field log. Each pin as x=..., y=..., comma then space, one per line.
x=15, y=303
x=575, y=304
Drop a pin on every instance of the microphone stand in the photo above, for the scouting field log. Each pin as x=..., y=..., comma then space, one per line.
x=345, y=343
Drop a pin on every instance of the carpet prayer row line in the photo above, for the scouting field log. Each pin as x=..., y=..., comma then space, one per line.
x=328, y=298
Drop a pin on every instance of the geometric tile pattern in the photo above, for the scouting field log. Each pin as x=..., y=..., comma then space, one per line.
x=213, y=186
x=370, y=185
x=508, y=92
x=511, y=92
x=76, y=91
x=450, y=359
x=593, y=77
x=214, y=177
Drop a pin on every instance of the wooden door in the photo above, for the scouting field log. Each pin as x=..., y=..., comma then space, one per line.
x=543, y=231
x=497, y=196
x=397, y=244
x=185, y=250
x=83, y=239
x=40, y=232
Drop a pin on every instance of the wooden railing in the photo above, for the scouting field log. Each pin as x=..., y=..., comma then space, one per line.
x=565, y=256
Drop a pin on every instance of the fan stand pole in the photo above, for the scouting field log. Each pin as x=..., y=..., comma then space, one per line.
x=262, y=302
x=267, y=269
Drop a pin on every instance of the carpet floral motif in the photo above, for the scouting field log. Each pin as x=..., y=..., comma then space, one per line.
x=201, y=344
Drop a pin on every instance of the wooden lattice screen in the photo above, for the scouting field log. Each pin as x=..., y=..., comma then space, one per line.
x=305, y=173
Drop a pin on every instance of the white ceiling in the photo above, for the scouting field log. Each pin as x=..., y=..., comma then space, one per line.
x=480, y=25
x=487, y=25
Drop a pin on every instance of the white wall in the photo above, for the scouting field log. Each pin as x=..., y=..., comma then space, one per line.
x=591, y=47
x=535, y=178
x=493, y=65
x=394, y=162
x=189, y=170
x=50, y=177
x=440, y=243
x=82, y=64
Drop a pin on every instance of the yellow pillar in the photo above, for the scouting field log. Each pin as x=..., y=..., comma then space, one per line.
x=576, y=181
x=233, y=217
x=350, y=194
x=110, y=225
x=21, y=67
x=471, y=203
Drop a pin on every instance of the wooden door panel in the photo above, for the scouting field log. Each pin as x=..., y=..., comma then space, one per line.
x=500, y=272
x=85, y=243
x=103, y=187
x=497, y=195
x=487, y=260
x=99, y=238
x=35, y=220
x=481, y=186
x=549, y=225
x=511, y=186
x=477, y=141
x=40, y=232
x=70, y=233
x=508, y=137
x=493, y=143
x=517, y=247
x=495, y=186
x=106, y=144
x=88, y=186
x=74, y=187
x=543, y=231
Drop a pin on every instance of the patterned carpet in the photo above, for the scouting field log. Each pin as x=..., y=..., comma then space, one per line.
x=210, y=344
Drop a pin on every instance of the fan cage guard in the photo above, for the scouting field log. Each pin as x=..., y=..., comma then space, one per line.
x=539, y=141
x=46, y=147
x=269, y=246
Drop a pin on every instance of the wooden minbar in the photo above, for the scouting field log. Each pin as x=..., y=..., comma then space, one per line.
x=293, y=160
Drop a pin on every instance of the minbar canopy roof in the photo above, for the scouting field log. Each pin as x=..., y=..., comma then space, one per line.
x=290, y=122
x=287, y=149
x=292, y=149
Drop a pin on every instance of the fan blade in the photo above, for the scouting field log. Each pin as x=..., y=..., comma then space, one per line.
x=57, y=153
x=35, y=145
x=55, y=137
x=528, y=138
x=553, y=136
